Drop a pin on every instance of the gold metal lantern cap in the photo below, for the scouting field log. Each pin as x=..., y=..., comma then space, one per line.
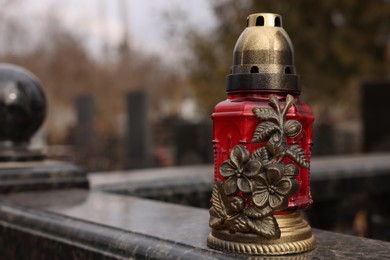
x=263, y=57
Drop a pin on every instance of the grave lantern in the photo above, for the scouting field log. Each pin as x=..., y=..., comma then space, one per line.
x=262, y=146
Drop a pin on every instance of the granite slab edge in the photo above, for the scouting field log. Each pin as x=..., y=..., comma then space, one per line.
x=105, y=241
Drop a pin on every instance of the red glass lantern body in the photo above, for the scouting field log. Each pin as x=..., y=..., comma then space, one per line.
x=235, y=123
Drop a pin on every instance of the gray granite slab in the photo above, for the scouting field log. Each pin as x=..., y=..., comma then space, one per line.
x=153, y=175
x=96, y=224
x=40, y=175
x=343, y=187
x=331, y=177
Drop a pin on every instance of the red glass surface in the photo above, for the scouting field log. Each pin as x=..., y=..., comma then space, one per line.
x=235, y=123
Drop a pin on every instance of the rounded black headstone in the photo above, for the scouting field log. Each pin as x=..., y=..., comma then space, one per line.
x=22, y=104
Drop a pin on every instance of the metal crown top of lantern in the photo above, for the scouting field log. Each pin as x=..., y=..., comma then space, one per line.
x=263, y=57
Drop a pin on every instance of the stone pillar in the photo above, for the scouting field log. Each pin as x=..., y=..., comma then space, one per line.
x=138, y=141
x=85, y=111
x=84, y=140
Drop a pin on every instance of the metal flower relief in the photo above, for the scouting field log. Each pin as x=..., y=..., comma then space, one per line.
x=258, y=185
x=273, y=189
x=239, y=170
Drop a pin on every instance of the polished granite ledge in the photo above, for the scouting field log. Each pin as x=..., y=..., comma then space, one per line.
x=77, y=224
x=331, y=178
x=40, y=175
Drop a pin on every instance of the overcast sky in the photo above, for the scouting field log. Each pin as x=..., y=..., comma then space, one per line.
x=102, y=18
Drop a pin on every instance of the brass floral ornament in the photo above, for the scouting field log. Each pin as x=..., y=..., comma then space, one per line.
x=239, y=170
x=259, y=185
x=272, y=189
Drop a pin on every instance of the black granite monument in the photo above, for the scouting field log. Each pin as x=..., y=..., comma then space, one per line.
x=376, y=122
x=22, y=112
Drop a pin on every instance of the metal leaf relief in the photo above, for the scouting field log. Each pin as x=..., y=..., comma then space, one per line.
x=219, y=202
x=258, y=185
x=296, y=153
x=262, y=153
x=255, y=212
x=264, y=131
x=266, y=227
x=265, y=113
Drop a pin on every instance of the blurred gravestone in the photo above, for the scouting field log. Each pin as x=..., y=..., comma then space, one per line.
x=324, y=143
x=375, y=115
x=194, y=143
x=138, y=153
x=84, y=132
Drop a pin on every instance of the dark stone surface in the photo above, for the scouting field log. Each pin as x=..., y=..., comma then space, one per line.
x=189, y=186
x=341, y=187
x=331, y=177
x=334, y=177
x=374, y=107
x=345, y=187
x=77, y=224
x=40, y=175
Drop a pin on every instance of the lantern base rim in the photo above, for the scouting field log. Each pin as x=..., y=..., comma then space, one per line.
x=294, y=239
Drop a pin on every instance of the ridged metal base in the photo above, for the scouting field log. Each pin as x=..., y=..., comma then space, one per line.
x=296, y=237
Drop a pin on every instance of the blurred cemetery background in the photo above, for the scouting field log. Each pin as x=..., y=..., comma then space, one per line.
x=132, y=84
